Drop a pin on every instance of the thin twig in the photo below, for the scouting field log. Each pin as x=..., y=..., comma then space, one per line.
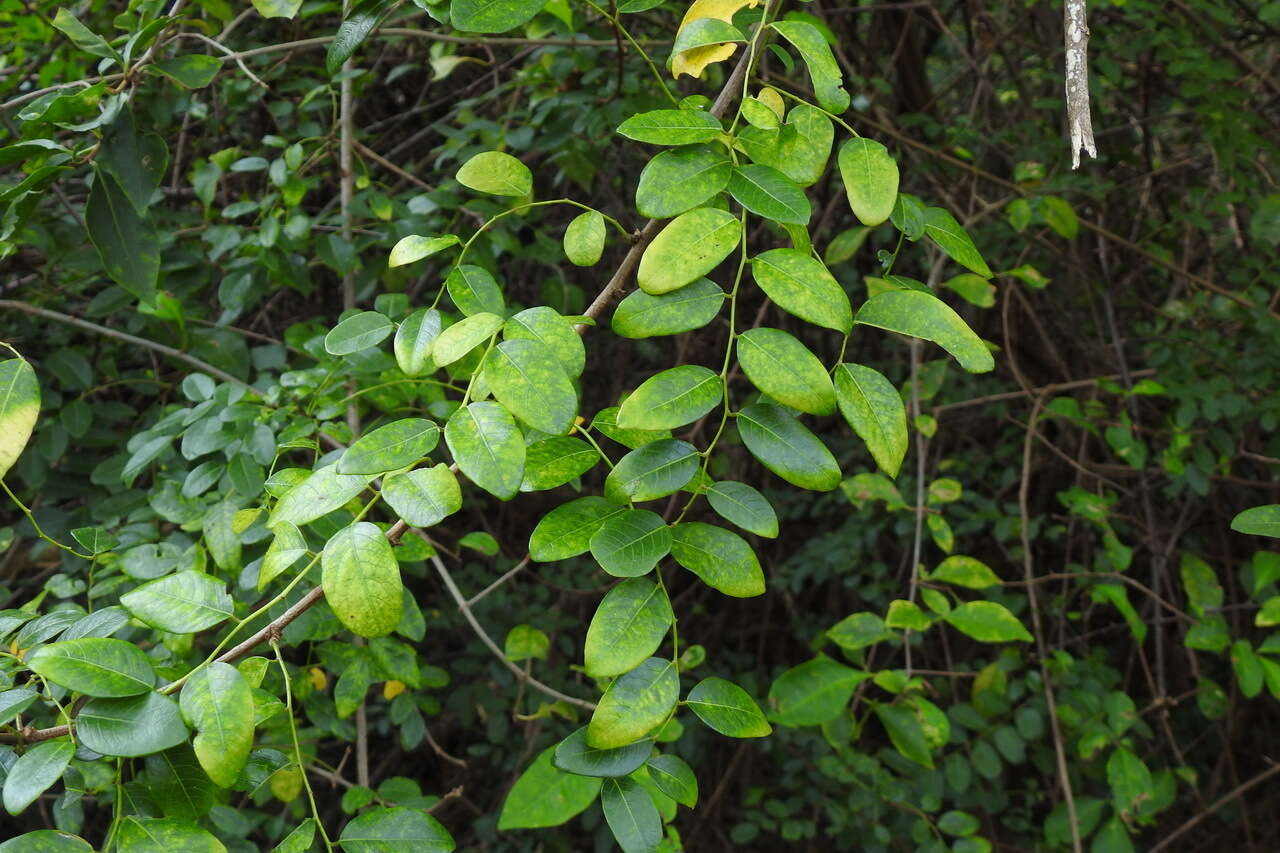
x=1217, y=804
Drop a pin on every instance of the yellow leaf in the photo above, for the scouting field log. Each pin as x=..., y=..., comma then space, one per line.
x=318, y=679
x=771, y=99
x=392, y=689
x=286, y=783
x=694, y=62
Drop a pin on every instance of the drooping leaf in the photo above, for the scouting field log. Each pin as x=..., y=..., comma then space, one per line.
x=672, y=398
x=821, y=62
x=652, y=471
x=672, y=127
x=643, y=315
x=494, y=172
x=566, y=531
x=634, y=704
x=127, y=243
x=870, y=176
x=474, y=290
x=694, y=60
x=95, y=666
x=395, y=829
x=728, y=709
x=493, y=16
x=782, y=367
x=358, y=332
x=681, y=179
x=131, y=726
x=575, y=755
x=874, y=408
x=813, y=693
x=415, y=247
x=318, y=495
x=136, y=160
x=83, y=37
x=35, y=771
x=390, y=447
x=631, y=815
x=799, y=284
x=943, y=229
x=464, y=336
x=723, y=560
x=182, y=603
x=413, y=340
x=423, y=497
x=631, y=543
x=19, y=408
x=359, y=22
x=769, y=193
x=527, y=379
x=905, y=732
x=361, y=580
x=987, y=622
x=787, y=448
x=689, y=247
x=217, y=702
x=923, y=315
x=544, y=795
x=555, y=461
x=488, y=447
x=744, y=506
x=584, y=239
x=628, y=627
x=672, y=776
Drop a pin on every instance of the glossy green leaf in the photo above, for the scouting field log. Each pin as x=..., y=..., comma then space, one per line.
x=652, y=471
x=318, y=495
x=525, y=642
x=631, y=815
x=526, y=378
x=643, y=315
x=874, y=408
x=413, y=340
x=627, y=627
x=183, y=603
x=415, y=247
x=126, y=242
x=391, y=447
x=759, y=114
x=859, y=630
x=681, y=179
x=821, y=62
x=631, y=543
x=165, y=835
x=799, y=149
x=870, y=176
x=768, y=193
x=555, y=461
x=1258, y=521
x=360, y=20
x=548, y=327
x=605, y=423
x=907, y=615
x=36, y=770
x=464, y=336
x=474, y=290
x=358, y=332
x=672, y=398
x=672, y=776
x=728, y=709
x=672, y=127
x=723, y=560
x=394, y=830
x=813, y=693
x=16, y=700
x=799, y=284
x=923, y=315
x=544, y=795
x=277, y=8
x=575, y=755
x=494, y=172
x=634, y=704
x=584, y=239
x=942, y=228
x=987, y=622
x=95, y=666
x=178, y=784
x=702, y=32
x=905, y=732
x=689, y=247
x=488, y=447
x=46, y=841
x=566, y=531
x=742, y=505
x=194, y=71
x=423, y=497
x=966, y=572
x=83, y=37
x=19, y=408
x=786, y=448
x=131, y=726
x=782, y=367
x=361, y=580
x=217, y=702
x=973, y=289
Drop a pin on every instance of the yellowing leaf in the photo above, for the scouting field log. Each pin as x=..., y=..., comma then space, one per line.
x=694, y=62
x=392, y=689
x=317, y=677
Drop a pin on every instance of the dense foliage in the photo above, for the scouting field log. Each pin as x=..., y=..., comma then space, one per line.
x=536, y=425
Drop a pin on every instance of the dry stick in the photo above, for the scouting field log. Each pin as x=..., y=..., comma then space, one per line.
x=1024, y=489
x=122, y=336
x=1041, y=391
x=1217, y=804
x=1075, y=27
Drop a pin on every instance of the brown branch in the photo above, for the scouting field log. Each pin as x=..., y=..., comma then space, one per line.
x=1217, y=804
x=1042, y=390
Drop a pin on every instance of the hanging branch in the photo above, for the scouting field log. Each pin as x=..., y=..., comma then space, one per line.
x=1076, y=32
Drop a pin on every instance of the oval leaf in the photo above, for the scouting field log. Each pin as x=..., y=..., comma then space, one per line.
x=672, y=398
x=689, y=247
x=631, y=543
x=494, y=172
x=786, y=448
x=782, y=367
x=526, y=378
x=799, y=284
x=634, y=705
x=870, y=178
x=728, y=709
x=628, y=627
x=95, y=666
x=488, y=447
x=681, y=179
x=391, y=447
x=923, y=315
x=874, y=408
x=361, y=580
x=723, y=560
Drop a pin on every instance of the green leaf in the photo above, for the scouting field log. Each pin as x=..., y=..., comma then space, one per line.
x=605, y=423
x=127, y=243
x=818, y=58
x=672, y=398
x=728, y=709
x=178, y=785
x=566, y=531
x=494, y=172
x=1258, y=521
x=361, y=580
x=681, y=179
x=546, y=796
x=34, y=771
x=46, y=841
x=923, y=315
x=95, y=666
x=360, y=21
x=318, y=495
x=391, y=447
x=786, y=448
x=165, y=835
x=782, y=367
x=906, y=733
x=217, y=702
x=672, y=127
x=799, y=284
x=488, y=447
x=131, y=726
x=526, y=378
x=627, y=627
x=870, y=176
x=942, y=228
x=575, y=755
x=966, y=572
x=277, y=8
x=299, y=840
x=423, y=497
x=799, y=149
x=906, y=615
x=194, y=71
x=136, y=160
x=412, y=344
x=475, y=291
x=1129, y=778
x=415, y=247
x=549, y=328
x=358, y=332
x=464, y=336
x=742, y=505
x=83, y=37
x=393, y=830
x=768, y=193
x=859, y=630
x=723, y=560
x=653, y=471
x=673, y=777
x=701, y=32
x=973, y=289
x=759, y=114
x=584, y=239
x=642, y=315
x=634, y=704
x=987, y=622
x=1247, y=667
x=632, y=817
x=631, y=543
x=493, y=16
x=19, y=408
x=525, y=642
x=183, y=603
x=689, y=247
x=17, y=699
x=874, y=408
x=813, y=693
x=555, y=461
x=959, y=823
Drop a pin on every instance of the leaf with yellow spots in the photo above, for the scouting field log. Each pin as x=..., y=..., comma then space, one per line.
x=392, y=689
x=317, y=677
x=19, y=405
x=286, y=783
x=694, y=60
